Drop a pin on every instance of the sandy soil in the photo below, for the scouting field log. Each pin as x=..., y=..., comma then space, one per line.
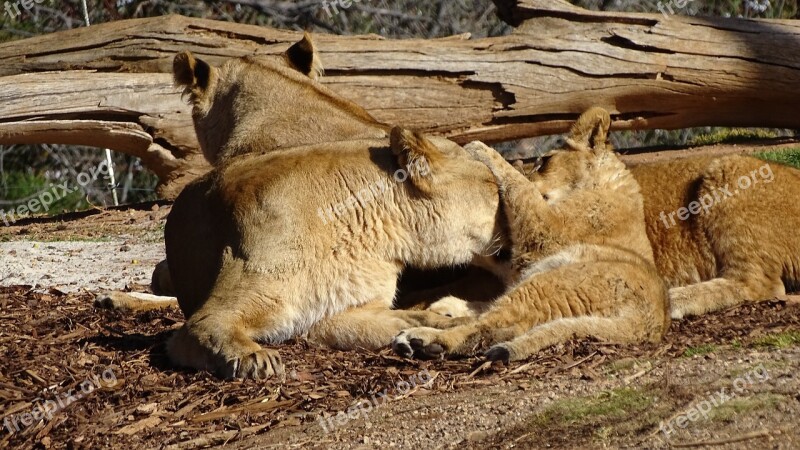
x=107, y=250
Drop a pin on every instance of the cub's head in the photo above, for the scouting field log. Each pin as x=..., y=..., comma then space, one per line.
x=587, y=160
x=256, y=104
x=455, y=195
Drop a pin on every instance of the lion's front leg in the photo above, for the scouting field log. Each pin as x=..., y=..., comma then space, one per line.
x=462, y=340
x=371, y=326
x=224, y=350
x=221, y=336
x=510, y=316
x=525, y=207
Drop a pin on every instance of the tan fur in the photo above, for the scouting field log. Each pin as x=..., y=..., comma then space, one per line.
x=161, y=285
x=746, y=247
x=270, y=268
x=253, y=256
x=258, y=104
x=581, y=261
x=275, y=102
x=452, y=306
x=281, y=100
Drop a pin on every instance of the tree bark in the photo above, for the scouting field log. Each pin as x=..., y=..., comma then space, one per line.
x=110, y=85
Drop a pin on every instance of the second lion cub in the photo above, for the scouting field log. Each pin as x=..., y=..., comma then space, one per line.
x=581, y=265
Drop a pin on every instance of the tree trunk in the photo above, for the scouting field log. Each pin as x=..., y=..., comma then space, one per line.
x=110, y=85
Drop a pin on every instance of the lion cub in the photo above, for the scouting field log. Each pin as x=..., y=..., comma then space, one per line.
x=723, y=229
x=581, y=262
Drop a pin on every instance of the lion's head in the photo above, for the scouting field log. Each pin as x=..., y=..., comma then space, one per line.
x=586, y=161
x=256, y=104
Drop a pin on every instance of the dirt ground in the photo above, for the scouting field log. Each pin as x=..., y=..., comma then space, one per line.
x=75, y=377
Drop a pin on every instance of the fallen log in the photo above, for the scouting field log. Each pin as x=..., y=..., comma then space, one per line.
x=109, y=85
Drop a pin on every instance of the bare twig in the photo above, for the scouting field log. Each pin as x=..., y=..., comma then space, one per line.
x=740, y=438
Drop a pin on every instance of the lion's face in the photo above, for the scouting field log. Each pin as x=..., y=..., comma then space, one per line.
x=585, y=161
x=559, y=172
x=256, y=104
x=463, y=192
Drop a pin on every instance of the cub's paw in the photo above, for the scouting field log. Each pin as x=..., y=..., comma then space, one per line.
x=491, y=159
x=482, y=152
x=259, y=365
x=499, y=352
x=452, y=307
x=419, y=342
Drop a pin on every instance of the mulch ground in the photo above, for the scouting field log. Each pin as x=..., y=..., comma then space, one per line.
x=103, y=378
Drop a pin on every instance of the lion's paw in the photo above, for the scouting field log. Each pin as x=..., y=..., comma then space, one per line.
x=481, y=152
x=260, y=365
x=452, y=307
x=676, y=314
x=421, y=342
x=499, y=352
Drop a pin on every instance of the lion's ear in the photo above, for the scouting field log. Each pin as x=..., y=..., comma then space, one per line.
x=303, y=56
x=417, y=157
x=591, y=129
x=190, y=72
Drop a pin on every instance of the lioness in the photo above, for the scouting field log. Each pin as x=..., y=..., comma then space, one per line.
x=256, y=105
x=581, y=262
x=280, y=242
x=251, y=232
x=274, y=101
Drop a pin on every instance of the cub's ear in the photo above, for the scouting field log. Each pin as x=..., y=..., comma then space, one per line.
x=591, y=129
x=190, y=72
x=303, y=56
x=417, y=156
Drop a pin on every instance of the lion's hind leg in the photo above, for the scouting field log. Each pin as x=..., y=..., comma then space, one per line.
x=622, y=329
x=720, y=293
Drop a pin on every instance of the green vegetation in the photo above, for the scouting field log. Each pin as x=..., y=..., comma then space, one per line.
x=730, y=135
x=699, y=350
x=790, y=157
x=18, y=188
x=42, y=173
x=779, y=340
x=727, y=411
x=610, y=404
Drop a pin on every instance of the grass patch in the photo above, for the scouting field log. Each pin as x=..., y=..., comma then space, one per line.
x=727, y=411
x=778, y=340
x=622, y=365
x=608, y=405
x=730, y=135
x=790, y=157
x=597, y=420
x=699, y=350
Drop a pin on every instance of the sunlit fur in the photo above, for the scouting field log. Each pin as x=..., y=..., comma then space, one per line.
x=746, y=247
x=581, y=261
x=251, y=257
